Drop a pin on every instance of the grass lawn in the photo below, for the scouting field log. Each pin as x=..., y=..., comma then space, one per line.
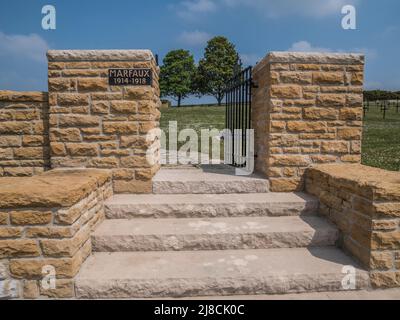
x=381, y=138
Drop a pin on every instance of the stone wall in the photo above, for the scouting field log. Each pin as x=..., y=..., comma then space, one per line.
x=364, y=203
x=94, y=125
x=45, y=226
x=307, y=110
x=24, y=145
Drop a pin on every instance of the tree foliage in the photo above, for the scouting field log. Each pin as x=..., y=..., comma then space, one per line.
x=216, y=68
x=177, y=74
x=373, y=95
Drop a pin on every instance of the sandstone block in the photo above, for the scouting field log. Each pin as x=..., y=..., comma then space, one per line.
x=135, y=142
x=49, y=232
x=331, y=100
x=65, y=247
x=328, y=77
x=101, y=107
x=82, y=149
x=387, y=209
x=285, y=185
x=18, y=248
x=32, y=141
x=29, y=153
x=349, y=133
x=132, y=186
x=10, y=232
x=135, y=162
x=334, y=147
x=382, y=280
x=3, y=218
x=65, y=267
x=15, y=127
x=296, y=77
x=61, y=84
x=306, y=126
x=58, y=149
x=351, y=114
x=10, y=141
x=357, y=78
x=92, y=84
x=65, y=135
x=30, y=289
x=289, y=160
x=124, y=106
x=320, y=113
x=72, y=99
x=385, y=240
x=381, y=260
x=120, y=127
x=107, y=162
x=351, y=158
x=78, y=120
x=287, y=91
x=385, y=225
x=30, y=217
x=139, y=93
x=6, y=154
x=124, y=174
x=64, y=288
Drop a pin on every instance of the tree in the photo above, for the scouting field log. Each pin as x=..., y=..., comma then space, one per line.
x=216, y=68
x=176, y=75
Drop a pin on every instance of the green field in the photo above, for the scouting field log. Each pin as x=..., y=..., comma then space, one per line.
x=381, y=138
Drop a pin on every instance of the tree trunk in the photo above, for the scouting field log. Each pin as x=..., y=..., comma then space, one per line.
x=179, y=100
x=220, y=97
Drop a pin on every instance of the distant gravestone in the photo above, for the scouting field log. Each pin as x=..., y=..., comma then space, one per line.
x=165, y=104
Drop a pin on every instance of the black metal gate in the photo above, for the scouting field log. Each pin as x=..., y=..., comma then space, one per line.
x=238, y=117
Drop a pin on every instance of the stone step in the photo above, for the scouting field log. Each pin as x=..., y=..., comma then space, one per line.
x=207, y=179
x=125, y=206
x=213, y=234
x=211, y=273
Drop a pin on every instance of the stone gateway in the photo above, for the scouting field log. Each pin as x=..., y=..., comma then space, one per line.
x=82, y=189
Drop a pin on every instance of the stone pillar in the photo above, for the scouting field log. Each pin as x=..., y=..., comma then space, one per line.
x=307, y=109
x=97, y=125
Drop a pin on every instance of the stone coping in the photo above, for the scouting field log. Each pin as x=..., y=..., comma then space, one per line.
x=99, y=55
x=384, y=184
x=55, y=188
x=312, y=57
x=23, y=96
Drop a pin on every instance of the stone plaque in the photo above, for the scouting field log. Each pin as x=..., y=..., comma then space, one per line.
x=130, y=77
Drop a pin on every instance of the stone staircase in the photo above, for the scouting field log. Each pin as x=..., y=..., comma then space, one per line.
x=232, y=238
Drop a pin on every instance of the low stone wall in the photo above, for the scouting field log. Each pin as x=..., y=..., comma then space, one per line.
x=307, y=109
x=24, y=145
x=364, y=203
x=45, y=226
x=96, y=125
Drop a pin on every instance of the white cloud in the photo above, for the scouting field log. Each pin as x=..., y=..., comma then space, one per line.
x=305, y=46
x=31, y=47
x=250, y=59
x=194, y=9
x=194, y=38
x=191, y=9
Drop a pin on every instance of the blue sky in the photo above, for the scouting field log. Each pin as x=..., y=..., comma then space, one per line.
x=254, y=26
